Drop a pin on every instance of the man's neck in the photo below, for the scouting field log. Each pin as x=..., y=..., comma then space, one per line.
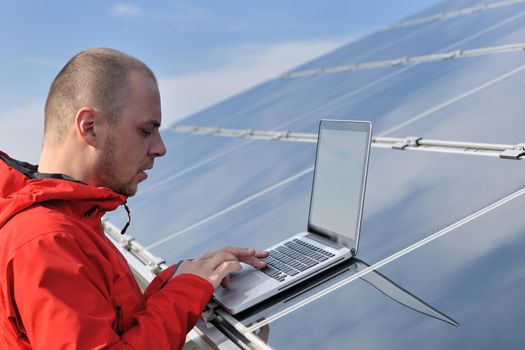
x=64, y=160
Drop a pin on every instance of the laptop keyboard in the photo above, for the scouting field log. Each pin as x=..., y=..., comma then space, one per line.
x=293, y=257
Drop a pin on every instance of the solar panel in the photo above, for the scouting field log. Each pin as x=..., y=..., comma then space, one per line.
x=212, y=191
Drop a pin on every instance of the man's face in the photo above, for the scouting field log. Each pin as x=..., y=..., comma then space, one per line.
x=132, y=144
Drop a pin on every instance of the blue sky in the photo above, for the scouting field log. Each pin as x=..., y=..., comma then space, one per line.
x=201, y=51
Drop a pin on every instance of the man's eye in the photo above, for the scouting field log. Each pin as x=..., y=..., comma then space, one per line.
x=145, y=132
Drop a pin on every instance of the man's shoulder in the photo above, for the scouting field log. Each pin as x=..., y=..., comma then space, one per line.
x=41, y=222
x=42, y=218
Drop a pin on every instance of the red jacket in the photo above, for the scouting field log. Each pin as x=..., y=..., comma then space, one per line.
x=64, y=284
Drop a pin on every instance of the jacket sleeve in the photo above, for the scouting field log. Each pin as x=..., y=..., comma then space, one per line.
x=64, y=303
x=160, y=281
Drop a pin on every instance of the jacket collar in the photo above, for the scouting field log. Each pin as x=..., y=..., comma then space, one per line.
x=21, y=186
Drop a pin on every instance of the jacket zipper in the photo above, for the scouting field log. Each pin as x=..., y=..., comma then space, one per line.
x=119, y=321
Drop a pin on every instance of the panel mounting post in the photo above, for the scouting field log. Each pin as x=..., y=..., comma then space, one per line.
x=514, y=153
x=411, y=141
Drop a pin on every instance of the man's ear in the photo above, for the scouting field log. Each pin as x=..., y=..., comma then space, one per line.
x=85, y=122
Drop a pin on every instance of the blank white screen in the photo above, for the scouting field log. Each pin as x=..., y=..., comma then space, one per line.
x=338, y=182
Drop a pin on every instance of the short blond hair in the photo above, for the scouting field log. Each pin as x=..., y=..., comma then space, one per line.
x=96, y=78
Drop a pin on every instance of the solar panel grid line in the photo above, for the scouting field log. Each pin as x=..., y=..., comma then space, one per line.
x=453, y=100
x=232, y=207
x=388, y=259
x=495, y=63
x=190, y=168
x=406, y=60
x=228, y=209
x=399, y=126
x=451, y=14
x=485, y=31
x=365, y=87
x=132, y=250
x=318, y=110
x=138, y=250
x=338, y=99
x=414, y=32
x=460, y=42
x=392, y=43
x=177, y=128
x=430, y=238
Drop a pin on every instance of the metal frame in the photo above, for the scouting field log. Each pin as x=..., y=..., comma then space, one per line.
x=243, y=337
x=234, y=334
x=377, y=265
x=143, y=262
x=504, y=151
x=145, y=266
x=404, y=61
x=451, y=14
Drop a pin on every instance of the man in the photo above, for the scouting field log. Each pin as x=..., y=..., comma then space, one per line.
x=64, y=285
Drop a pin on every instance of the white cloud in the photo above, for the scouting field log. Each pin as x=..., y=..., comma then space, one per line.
x=125, y=10
x=44, y=62
x=182, y=17
x=246, y=66
x=21, y=131
x=21, y=128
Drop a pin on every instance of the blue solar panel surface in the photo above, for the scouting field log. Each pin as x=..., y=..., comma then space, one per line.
x=212, y=191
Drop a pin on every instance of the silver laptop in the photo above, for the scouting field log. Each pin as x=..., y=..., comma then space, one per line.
x=332, y=236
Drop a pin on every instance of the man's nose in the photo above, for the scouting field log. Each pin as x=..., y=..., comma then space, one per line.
x=158, y=149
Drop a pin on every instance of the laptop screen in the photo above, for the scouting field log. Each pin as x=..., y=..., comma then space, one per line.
x=339, y=180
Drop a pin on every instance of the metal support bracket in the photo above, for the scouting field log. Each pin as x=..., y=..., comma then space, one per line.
x=246, y=133
x=280, y=135
x=209, y=313
x=411, y=141
x=514, y=153
x=125, y=241
x=155, y=264
x=214, y=131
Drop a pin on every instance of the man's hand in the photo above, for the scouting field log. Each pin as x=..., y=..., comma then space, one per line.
x=216, y=266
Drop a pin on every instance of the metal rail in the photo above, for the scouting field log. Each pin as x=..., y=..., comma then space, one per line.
x=146, y=266
x=403, y=61
x=144, y=263
x=451, y=14
x=504, y=151
x=388, y=260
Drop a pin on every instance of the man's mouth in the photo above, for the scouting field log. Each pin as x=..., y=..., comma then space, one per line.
x=142, y=175
x=142, y=172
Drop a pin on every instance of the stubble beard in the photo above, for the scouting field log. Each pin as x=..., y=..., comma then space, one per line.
x=106, y=172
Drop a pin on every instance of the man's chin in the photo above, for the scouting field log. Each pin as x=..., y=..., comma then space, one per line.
x=128, y=190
